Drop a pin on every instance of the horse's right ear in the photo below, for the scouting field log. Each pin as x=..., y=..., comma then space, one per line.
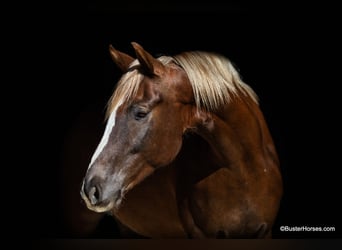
x=149, y=64
x=121, y=59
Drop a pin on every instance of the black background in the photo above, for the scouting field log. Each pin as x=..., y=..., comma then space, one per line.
x=287, y=53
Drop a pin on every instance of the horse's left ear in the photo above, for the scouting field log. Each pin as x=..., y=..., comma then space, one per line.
x=149, y=64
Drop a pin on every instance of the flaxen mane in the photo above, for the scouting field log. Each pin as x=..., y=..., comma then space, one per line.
x=213, y=78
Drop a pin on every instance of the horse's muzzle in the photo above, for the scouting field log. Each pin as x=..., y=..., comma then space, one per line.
x=96, y=198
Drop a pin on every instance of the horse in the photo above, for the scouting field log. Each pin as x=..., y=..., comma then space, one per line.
x=186, y=151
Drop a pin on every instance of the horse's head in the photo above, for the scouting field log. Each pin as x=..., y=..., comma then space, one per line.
x=147, y=116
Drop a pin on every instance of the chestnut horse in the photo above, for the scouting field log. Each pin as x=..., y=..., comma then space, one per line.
x=186, y=152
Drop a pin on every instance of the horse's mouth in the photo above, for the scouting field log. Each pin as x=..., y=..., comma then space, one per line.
x=114, y=199
x=97, y=207
x=114, y=203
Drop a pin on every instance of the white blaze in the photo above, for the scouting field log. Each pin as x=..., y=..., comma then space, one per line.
x=109, y=127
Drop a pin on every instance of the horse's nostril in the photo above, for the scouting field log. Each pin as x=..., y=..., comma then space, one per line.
x=94, y=195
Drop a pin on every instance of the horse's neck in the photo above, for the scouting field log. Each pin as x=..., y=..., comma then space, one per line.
x=239, y=136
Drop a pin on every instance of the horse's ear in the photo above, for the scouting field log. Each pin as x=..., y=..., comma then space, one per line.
x=149, y=64
x=122, y=60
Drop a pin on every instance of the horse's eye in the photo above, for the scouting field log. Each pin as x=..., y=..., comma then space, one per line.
x=139, y=112
x=139, y=115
